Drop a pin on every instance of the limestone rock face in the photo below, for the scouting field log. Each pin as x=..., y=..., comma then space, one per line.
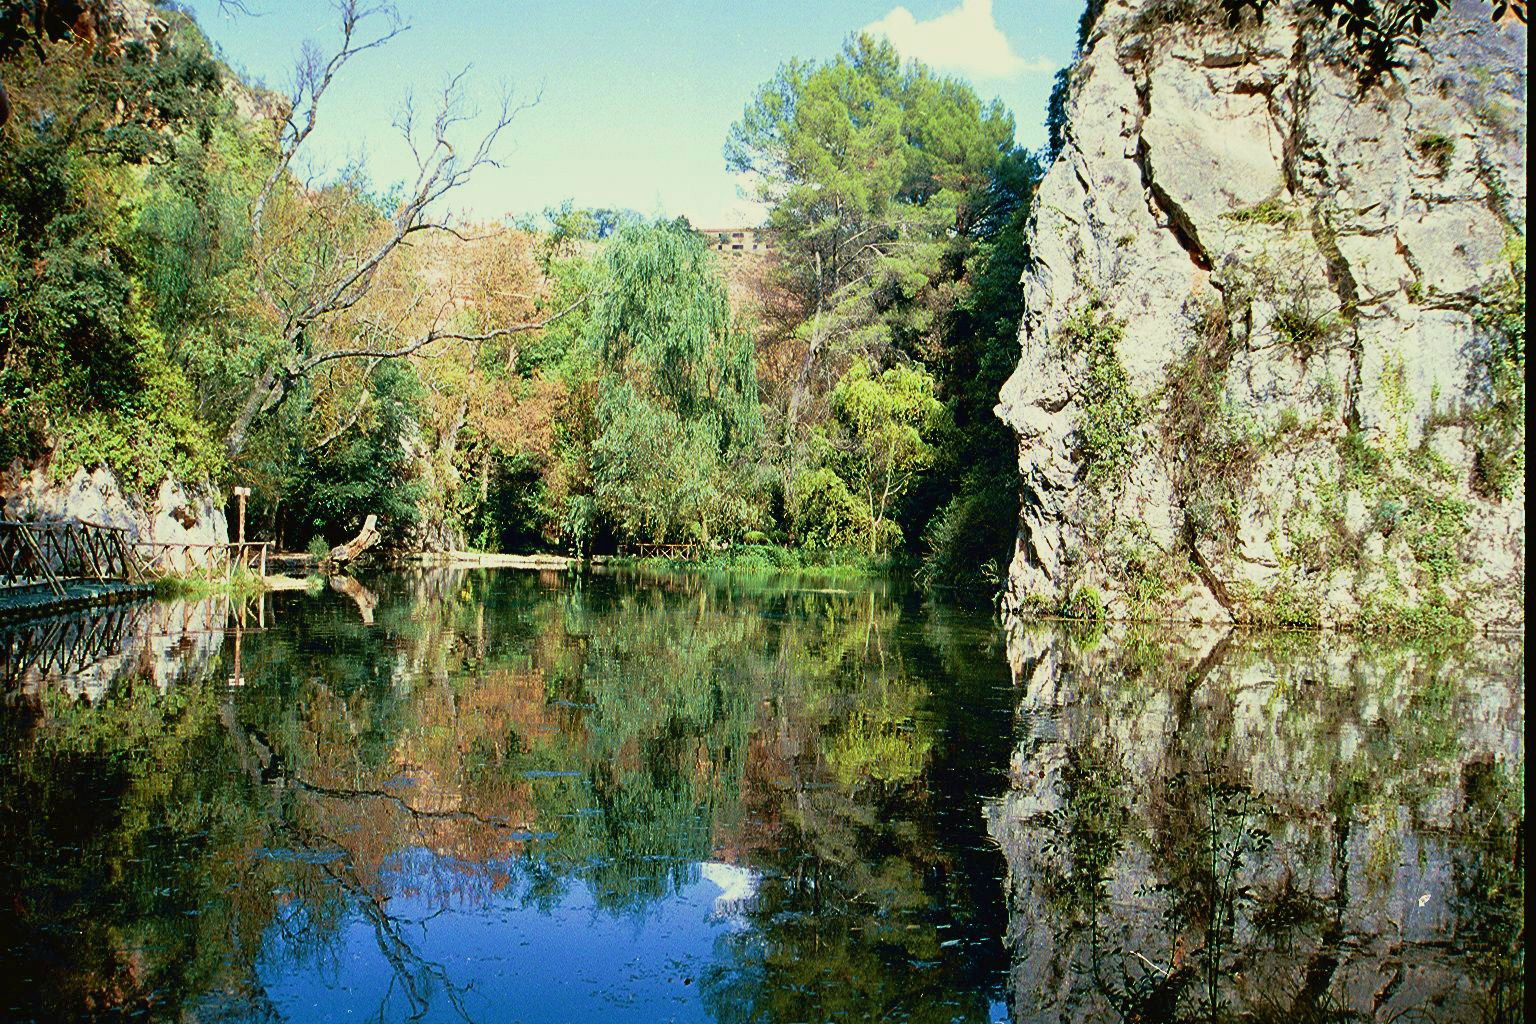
x=1304, y=271
x=176, y=514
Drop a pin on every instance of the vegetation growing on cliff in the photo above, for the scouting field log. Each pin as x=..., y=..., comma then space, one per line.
x=96, y=143
x=1109, y=414
x=1498, y=426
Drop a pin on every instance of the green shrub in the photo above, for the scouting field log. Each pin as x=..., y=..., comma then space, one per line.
x=1109, y=415
x=1282, y=604
x=772, y=559
x=1438, y=149
x=1434, y=617
x=154, y=434
x=1303, y=329
x=970, y=539
x=1084, y=603
x=1438, y=525
x=1147, y=572
x=824, y=513
x=1271, y=212
x=755, y=558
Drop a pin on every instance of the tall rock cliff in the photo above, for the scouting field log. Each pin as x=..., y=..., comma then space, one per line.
x=1273, y=345
x=174, y=513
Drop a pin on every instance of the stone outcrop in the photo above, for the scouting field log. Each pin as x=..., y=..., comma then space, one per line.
x=175, y=514
x=1292, y=412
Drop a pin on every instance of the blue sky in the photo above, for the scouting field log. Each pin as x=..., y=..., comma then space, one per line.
x=635, y=96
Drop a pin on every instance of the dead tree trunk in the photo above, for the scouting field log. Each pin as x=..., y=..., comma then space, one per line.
x=365, y=599
x=343, y=555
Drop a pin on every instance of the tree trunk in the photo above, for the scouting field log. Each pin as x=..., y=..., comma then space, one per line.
x=240, y=430
x=450, y=440
x=365, y=599
x=874, y=523
x=342, y=555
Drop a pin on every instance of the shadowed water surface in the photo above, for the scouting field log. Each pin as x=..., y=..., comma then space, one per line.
x=504, y=796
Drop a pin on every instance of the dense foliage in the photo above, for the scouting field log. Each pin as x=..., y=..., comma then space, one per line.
x=897, y=199
x=1376, y=29
x=174, y=301
x=677, y=414
x=97, y=141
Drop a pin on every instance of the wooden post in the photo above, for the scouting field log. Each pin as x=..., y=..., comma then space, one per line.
x=235, y=679
x=241, y=493
x=42, y=562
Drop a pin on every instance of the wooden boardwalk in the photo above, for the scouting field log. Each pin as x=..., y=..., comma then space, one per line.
x=69, y=563
x=24, y=602
x=49, y=566
x=70, y=560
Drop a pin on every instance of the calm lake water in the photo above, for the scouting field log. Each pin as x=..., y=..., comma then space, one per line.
x=509, y=796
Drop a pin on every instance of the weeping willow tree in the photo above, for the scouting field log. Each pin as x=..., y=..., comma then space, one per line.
x=677, y=453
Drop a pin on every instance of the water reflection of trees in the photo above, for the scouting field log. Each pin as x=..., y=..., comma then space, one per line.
x=863, y=913
x=1265, y=828
x=509, y=736
x=1197, y=828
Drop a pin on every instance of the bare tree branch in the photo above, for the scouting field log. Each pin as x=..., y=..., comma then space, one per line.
x=313, y=77
x=442, y=166
x=432, y=336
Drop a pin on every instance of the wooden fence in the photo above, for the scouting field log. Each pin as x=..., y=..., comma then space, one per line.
x=51, y=554
x=165, y=558
x=679, y=552
x=54, y=553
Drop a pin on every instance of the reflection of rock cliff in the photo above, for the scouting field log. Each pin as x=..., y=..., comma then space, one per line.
x=165, y=643
x=1264, y=373
x=1264, y=828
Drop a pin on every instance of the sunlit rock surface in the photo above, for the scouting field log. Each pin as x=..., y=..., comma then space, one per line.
x=174, y=514
x=1264, y=827
x=1321, y=251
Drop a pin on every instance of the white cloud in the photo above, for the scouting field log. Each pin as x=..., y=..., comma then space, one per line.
x=965, y=40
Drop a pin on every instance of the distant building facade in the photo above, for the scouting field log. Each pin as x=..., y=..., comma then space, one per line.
x=736, y=239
